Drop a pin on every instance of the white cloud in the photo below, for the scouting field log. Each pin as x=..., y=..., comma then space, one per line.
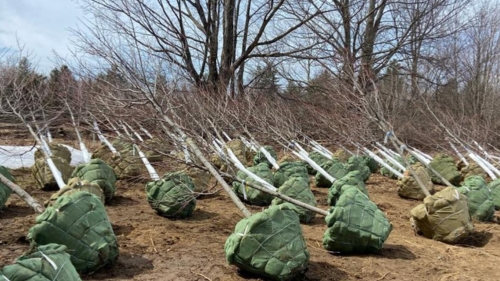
x=42, y=27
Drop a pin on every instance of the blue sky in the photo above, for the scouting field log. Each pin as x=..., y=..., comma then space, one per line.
x=42, y=27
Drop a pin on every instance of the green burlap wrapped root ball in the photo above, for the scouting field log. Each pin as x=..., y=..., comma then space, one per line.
x=351, y=179
x=57, y=150
x=99, y=172
x=443, y=216
x=36, y=266
x=297, y=187
x=357, y=163
x=270, y=244
x=355, y=225
x=371, y=163
x=444, y=165
x=172, y=196
x=251, y=195
x=77, y=185
x=408, y=186
x=289, y=169
x=479, y=198
x=318, y=158
x=5, y=191
x=78, y=221
x=334, y=168
x=494, y=186
x=261, y=158
x=43, y=176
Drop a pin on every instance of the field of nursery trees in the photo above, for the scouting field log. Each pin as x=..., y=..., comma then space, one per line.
x=252, y=140
x=134, y=207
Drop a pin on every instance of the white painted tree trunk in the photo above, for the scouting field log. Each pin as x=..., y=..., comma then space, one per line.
x=382, y=162
x=240, y=166
x=303, y=155
x=103, y=139
x=269, y=158
x=392, y=160
x=460, y=155
x=151, y=170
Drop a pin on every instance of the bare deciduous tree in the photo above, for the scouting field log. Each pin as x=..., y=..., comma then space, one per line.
x=209, y=41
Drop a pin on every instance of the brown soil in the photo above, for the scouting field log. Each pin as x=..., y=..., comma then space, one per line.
x=156, y=248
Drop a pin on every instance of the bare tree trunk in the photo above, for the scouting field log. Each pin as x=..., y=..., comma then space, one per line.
x=228, y=43
x=37, y=207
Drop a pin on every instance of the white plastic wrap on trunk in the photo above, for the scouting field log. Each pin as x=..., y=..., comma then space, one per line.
x=489, y=165
x=187, y=157
x=419, y=156
x=103, y=139
x=219, y=142
x=486, y=155
x=55, y=172
x=225, y=135
x=482, y=165
x=85, y=153
x=495, y=157
x=383, y=163
x=240, y=166
x=270, y=158
x=322, y=152
x=301, y=150
x=396, y=163
x=387, y=150
x=137, y=135
x=45, y=146
x=319, y=146
x=49, y=136
x=427, y=156
x=125, y=130
x=254, y=146
x=492, y=168
x=393, y=153
x=219, y=151
x=151, y=170
x=145, y=131
x=217, y=147
x=460, y=155
x=249, y=144
x=313, y=164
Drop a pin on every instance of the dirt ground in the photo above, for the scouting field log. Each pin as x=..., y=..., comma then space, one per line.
x=156, y=248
